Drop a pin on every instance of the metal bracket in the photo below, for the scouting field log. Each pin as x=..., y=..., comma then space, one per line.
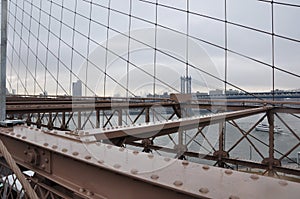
x=38, y=158
x=270, y=161
x=222, y=154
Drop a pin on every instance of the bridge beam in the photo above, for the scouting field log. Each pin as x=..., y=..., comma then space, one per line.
x=97, y=170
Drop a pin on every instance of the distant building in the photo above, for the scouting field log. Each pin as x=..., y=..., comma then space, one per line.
x=277, y=91
x=164, y=95
x=77, y=88
x=182, y=84
x=216, y=92
x=232, y=92
x=201, y=93
x=186, y=84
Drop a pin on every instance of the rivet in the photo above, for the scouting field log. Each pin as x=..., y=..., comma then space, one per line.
x=18, y=135
x=109, y=146
x=54, y=147
x=75, y=153
x=46, y=160
x=185, y=163
x=87, y=157
x=81, y=190
x=25, y=152
x=24, y=137
x=203, y=190
x=254, y=177
x=46, y=144
x=283, y=183
x=135, y=152
x=234, y=197
x=121, y=149
x=134, y=171
x=89, y=193
x=12, y=133
x=228, y=172
x=36, y=129
x=117, y=166
x=64, y=150
x=154, y=177
x=100, y=161
x=43, y=166
x=150, y=156
x=55, y=132
x=167, y=159
x=205, y=167
x=178, y=183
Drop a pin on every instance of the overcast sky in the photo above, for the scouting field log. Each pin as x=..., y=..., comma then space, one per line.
x=33, y=51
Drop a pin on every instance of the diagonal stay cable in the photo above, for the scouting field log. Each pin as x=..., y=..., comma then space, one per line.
x=221, y=47
x=280, y=3
x=53, y=54
x=112, y=52
x=103, y=48
x=177, y=59
x=40, y=61
x=18, y=77
x=26, y=66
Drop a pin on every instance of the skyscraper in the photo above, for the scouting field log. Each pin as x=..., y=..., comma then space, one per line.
x=186, y=84
x=77, y=88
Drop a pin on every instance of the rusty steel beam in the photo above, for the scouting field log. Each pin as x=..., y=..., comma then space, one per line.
x=35, y=108
x=25, y=106
x=233, y=161
x=249, y=101
x=97, y=170
x=138, y=132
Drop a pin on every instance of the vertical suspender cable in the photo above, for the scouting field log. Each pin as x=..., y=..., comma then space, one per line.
x=225, y=63
x=128, y=49
x=106, y=48
x=187, y=86
x=273, y=51
x=3, y=60
x=72, y=47
x=88, y=50
x=47, y=45
x=155, y=49
x=59, y=46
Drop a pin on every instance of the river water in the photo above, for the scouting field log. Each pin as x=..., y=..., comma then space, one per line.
x=284, y=141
